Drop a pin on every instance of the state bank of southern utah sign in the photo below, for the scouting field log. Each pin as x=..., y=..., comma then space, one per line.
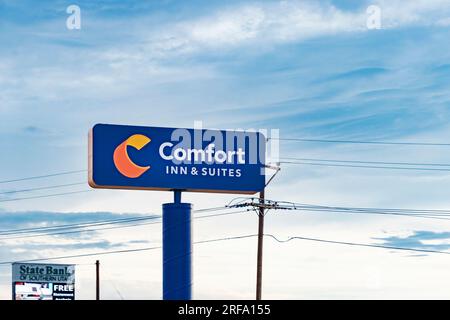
x=155, y=158
x=36, y=281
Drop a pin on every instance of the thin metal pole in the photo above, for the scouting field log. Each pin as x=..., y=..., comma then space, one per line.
x=260, y=246
x=177, y=196
x=97, y=280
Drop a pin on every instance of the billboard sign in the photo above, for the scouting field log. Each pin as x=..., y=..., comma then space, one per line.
x=156, y=158
x=33, y=281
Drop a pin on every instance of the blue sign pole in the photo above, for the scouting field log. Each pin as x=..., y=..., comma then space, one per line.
x=177, y=250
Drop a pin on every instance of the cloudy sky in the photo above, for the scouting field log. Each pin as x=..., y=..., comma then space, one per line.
x=312, y=69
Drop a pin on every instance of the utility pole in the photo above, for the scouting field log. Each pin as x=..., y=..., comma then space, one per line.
x=260, y=246
x=261, y=206
x=97, y=280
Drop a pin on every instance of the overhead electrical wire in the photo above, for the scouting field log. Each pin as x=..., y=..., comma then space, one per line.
x=375, y=213
x=405, y=143
x=297, y=161
x=370, y=162
x=110, y=228
x=426, y=214
x=295, y=206
x=110, y=279
x=83, y=255
x=43, y=176
x=125, y=250
x=243, y=200
x=95, y=223
x=66, y=225
x=438, y=214
x=157, y=222
x=348, y=243
x=44, y=188
x=75, y=226
x=75, y=231
x=356, y=244
x=270, y=138
x=415, y=166
x=361, y=166
x=209, y=209
x=381, y=212
x=421, y=213
x=290, y=161
x=106, y=221
x=432, y=212
x=45, y=196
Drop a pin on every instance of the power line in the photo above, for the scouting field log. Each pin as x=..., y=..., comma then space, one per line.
x=123, y=251
x=80, y=224
x=370, y=162
x=358, y=166
x=93, y=223
x=369, y=209
x=243, y=201
x=440, y=215
x=113, y=284
x=43, y=188
x=286, y=205
x=364, y=142
x=210, y=209
x=290, y=160
x=296, y=161
x=85, y=255
x=221, y=214
x=43, y=176
x=76, y=225
x=376, y=213
x=45, y=196
x=55, y=194
x=157, y=222
x=77, y=231
x=110, y=228
x=380, y=246
x=226, y=239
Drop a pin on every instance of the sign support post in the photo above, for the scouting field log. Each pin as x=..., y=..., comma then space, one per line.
x=177, y=249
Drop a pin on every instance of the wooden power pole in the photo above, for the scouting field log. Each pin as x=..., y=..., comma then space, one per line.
x=97, y=280
x=260, y=246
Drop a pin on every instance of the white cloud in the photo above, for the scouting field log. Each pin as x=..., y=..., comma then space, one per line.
x=157, y=56
x=227, y=28
x=286, y=21
x=399, y=12
x=262, y=22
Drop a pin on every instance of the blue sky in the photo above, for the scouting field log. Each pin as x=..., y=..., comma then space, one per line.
x=309, y=68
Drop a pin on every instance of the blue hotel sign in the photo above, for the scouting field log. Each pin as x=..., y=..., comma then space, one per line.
x=155, y=158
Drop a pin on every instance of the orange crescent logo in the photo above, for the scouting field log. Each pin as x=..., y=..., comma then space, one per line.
x=123, y=162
